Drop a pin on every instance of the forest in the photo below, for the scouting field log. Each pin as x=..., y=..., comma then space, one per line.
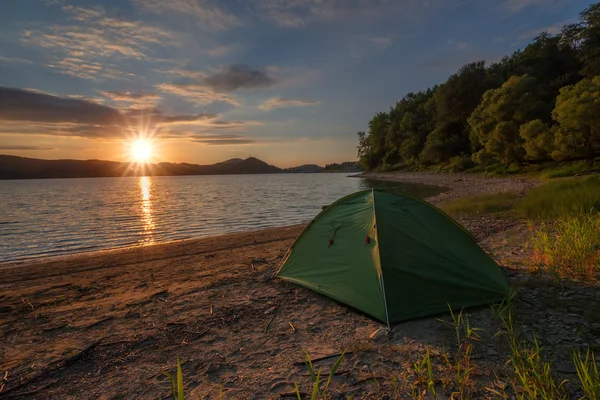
x=539, y=105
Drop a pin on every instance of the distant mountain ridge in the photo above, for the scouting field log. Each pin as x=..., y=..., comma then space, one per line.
x=15, y=167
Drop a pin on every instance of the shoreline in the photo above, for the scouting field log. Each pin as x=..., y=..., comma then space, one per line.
x=108, y=323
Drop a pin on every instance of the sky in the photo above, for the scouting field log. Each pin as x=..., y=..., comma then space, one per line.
x=287, y=81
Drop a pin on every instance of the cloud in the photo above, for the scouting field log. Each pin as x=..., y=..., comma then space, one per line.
x=205, y=13
x=197, y=94
x=15, y=60
x=17, y=147
x=24, y=105
x=554, y=29
x=459, y=45
x=219, y=51
x=518, y=5
x=381, y=42
x=29, y=112
x=81, y=49
x=300, y=13
x=280, y=102
x=222, y=142
x=235, y=77
x=137, y=99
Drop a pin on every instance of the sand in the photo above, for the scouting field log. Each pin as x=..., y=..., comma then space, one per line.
x=107, y=324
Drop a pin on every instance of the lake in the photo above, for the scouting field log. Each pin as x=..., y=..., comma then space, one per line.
x=60, y=216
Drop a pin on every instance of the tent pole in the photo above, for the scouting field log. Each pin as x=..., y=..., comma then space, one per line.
x=387, y=316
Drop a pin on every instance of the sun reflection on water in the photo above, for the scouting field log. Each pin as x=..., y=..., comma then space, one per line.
x=147, y=217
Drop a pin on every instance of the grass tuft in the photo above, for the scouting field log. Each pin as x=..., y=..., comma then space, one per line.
x=561, y=198
x=481, y=204
x=587, y=372
x=568, y=248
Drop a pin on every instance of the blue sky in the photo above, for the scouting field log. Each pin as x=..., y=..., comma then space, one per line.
x=288, y=81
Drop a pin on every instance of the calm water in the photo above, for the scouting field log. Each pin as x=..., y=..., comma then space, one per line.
x=58, y=216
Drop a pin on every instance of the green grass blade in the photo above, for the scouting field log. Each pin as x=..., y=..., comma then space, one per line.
x=297, y=391
x=180, y=395
x=315, y=392
x=311, y=369
x=172, y=379
x=337, y=364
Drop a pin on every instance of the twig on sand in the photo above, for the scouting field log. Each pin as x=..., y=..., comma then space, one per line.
x=4, y=379
x=314, y=360
x=272, y=318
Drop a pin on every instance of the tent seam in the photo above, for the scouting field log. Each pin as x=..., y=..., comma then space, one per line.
x=381, y=282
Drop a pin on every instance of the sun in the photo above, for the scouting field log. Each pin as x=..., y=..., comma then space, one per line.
x=141, y=150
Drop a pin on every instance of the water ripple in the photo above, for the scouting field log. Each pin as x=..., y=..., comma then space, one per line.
x=41, y=218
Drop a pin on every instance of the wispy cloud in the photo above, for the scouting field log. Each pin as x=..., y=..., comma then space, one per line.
x=80, y=49
x=518, y=5
x=380, y=42
x=17, y=147
x=280, y=102
x=459, y=45
x=207, y=14
x=130, y=97
x=219, y=51
x=300, y=13
x=15, y=60
x=553, y=29
x=197, y=94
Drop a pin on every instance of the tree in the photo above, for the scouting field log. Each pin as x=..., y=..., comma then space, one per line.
x=577, y=113
x=588, y=37
x=445, y=142
x=538, y=140
x=496, y=122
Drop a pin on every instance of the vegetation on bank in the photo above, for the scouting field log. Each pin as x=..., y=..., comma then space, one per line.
x=564, y=215
x=538, y=106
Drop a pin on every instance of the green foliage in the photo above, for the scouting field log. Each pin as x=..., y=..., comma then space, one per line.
x=569, y=247
x=481, y=204
x=587, y=372
x=538, y=140
x=176, y=385
x=561, y=198
x=319, y=389
x=502, y=112
x=578, y=115
x=533, y=378
x=496, y=122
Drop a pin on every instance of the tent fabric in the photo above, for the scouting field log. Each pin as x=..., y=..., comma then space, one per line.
x=392, y=257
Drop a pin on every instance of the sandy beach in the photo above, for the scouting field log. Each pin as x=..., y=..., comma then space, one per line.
x=107, y=324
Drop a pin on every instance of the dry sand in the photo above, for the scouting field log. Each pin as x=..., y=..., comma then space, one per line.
x=105, y=325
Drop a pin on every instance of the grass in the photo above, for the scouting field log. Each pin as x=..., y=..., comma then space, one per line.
x=569, y=247
x=561, y=198
x=481, y=204
x=587, y=372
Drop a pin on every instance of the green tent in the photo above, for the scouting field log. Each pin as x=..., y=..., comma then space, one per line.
x=393, y=257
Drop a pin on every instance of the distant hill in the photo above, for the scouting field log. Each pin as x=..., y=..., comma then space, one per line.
x=306, y=168
x=14, y=167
